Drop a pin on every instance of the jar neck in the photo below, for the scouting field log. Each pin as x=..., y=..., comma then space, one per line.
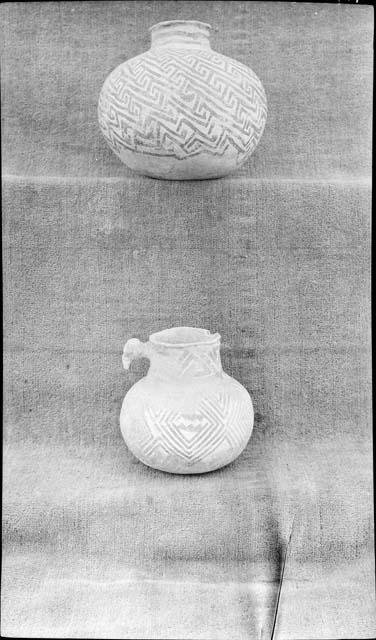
x=180, y=34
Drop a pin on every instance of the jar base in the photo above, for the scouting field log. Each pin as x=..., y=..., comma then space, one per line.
x=201, y=167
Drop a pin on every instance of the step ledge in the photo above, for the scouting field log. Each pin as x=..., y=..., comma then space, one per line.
x=360, y=181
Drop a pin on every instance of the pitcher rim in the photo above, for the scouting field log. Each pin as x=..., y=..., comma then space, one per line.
x=211, y=338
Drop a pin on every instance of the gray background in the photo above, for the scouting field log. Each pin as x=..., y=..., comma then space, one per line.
x=276, y=258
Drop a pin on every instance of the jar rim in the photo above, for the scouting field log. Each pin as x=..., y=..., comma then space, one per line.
x=167, y=23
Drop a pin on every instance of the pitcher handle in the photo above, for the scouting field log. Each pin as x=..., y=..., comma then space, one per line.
x=133, y=349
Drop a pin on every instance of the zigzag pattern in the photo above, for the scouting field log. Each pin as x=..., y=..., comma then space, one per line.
x=192, y=438
x=199, y=363
x=178, y=103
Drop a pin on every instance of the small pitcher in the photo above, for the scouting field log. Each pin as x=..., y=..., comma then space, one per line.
x=186, y=415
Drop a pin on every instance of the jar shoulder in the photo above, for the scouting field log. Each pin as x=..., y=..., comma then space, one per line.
x=162, y=64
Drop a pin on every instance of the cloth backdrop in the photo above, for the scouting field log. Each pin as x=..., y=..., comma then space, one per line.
x=276, y=258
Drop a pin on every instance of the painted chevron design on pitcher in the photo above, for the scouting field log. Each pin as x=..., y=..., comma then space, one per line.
x=179, y=104
x=199, y=363
x=192, y=438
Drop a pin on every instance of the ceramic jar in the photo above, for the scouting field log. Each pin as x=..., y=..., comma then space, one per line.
x=181, y=111
x=186, y=415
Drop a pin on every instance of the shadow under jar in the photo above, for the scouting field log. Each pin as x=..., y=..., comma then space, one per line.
x=181, y=111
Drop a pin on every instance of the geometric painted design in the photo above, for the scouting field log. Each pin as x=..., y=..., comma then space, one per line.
x=199, y=362
x=179, y=103
x=219, y=421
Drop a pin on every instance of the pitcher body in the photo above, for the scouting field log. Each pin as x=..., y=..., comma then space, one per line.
x=186, y=415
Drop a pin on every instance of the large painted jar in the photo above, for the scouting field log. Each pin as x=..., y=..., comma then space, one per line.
x=186, y=415
x=181, y=111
